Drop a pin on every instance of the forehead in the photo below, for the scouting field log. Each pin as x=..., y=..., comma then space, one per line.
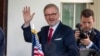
x=87, y=19
x=50, y=10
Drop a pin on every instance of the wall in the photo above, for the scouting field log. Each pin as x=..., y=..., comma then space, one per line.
x=77, y=1
x=96, y=8
x=16, y=46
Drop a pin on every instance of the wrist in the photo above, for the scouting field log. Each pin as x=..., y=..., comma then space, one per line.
x=89, y=45
x=26, y=25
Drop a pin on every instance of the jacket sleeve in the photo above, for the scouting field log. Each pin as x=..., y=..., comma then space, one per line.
x=96, y=45
x=27, y=33
x=70, y=43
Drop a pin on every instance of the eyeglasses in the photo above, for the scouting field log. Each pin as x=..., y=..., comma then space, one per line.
x=53, y=14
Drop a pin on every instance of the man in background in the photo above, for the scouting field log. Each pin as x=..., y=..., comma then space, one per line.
x=87, y=35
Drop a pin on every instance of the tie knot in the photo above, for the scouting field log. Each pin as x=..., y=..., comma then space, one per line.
x=51, y=29
x=50, y=34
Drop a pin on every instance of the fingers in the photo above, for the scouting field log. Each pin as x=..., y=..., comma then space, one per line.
x=26, y=9
x=27, y=15
x=88, y=36
x=77, y=33
x=85, y=41
x=32, y=15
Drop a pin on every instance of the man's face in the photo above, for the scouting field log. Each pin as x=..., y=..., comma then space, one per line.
x=51, y=16
x=87, y=23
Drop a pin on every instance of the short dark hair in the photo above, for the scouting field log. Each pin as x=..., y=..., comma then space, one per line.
x=87, y=13
x=51, y=5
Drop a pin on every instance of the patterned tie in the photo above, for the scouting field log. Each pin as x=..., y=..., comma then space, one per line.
x=50, y=34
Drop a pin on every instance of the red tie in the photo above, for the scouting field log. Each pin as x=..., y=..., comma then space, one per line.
x=50, y=34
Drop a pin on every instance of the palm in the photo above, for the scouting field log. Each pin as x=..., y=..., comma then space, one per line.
x=26, y=14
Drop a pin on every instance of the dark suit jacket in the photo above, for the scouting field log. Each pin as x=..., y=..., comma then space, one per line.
x=1, y=42
x=62, y=43
x=95, y=38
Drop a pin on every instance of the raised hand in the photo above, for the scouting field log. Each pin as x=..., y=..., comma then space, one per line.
x=27, y=15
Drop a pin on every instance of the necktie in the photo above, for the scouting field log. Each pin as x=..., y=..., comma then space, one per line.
x=50, y=34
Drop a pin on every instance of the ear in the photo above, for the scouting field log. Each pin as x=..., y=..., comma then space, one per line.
x=93, y=19
x=58, y=14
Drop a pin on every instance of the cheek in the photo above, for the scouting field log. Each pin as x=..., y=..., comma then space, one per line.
x=47, y=19
x=57, y=17
x=83, y=25
x=91, y=25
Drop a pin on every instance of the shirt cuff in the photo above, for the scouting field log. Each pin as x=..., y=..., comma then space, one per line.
x=25, y=26
x=91, y=43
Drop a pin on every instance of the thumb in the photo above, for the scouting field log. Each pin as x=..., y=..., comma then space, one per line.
x=88, y=36
x=32, y=15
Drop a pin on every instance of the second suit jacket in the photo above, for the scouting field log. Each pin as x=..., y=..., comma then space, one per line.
x=62, y=43
x=1, y=42
x=95, y=38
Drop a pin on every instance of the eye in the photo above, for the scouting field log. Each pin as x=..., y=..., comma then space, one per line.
x=52, y=14
x=84, y=22
x=89, y=22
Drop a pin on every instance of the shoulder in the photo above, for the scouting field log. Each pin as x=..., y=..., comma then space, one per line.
x=43, y=30
x=62, y=28
x=66, y=27
x=44, y=27
x=96, y=31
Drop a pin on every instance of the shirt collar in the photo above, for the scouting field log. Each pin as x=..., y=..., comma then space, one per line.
x=55, y=26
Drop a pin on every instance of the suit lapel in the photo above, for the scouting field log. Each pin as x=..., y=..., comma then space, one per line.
x=56, y=33
x=46, y=33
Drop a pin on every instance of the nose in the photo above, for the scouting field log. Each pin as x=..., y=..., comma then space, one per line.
x=50, y=16
x=86, y=25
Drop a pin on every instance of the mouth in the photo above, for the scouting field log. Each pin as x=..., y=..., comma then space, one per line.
x=51, y=20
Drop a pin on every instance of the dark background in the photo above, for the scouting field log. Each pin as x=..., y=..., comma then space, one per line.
x=3, y=19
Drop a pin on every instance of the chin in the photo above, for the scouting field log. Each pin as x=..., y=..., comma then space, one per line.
x=51, y=24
